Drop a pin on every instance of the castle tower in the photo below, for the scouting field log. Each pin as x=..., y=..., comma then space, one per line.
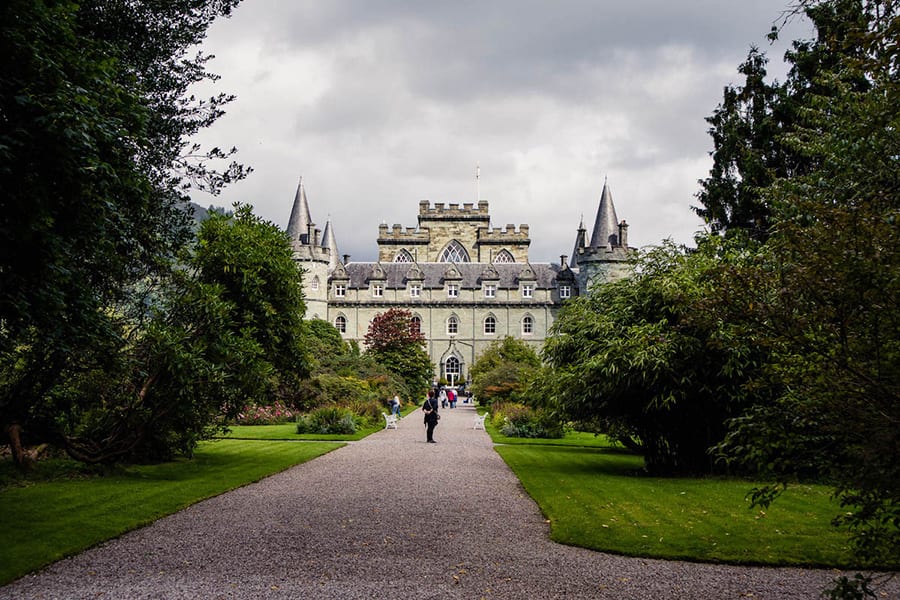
x=607, y=256
x=317, y=257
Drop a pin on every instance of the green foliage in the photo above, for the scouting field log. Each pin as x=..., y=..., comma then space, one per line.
x=94, y=164
x=394, y=342
x=821, y=296
x=634, y=357
x=328, y=419
x=504, y=371
x=518, y=420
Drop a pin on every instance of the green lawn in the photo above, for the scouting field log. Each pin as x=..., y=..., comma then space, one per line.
x=65, y=508
x=596, y=498
x=288, y=431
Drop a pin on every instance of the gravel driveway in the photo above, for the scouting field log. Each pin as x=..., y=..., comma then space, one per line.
x=387, y=517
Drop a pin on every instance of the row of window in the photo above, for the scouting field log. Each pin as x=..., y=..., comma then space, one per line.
x=455, y=253
x=490, y=324
x=415, y=290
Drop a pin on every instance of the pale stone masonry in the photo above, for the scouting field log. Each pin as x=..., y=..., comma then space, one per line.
x=466, y=283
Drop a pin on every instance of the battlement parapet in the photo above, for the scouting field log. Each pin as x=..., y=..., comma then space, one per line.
x=508, y=234
x=400, y=234
x=441, y=211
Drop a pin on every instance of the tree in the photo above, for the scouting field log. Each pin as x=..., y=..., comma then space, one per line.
x=503, y=371
x=394, y=341
x=831, y=276
x=93, y=166
x=632, y=359
x=747, y=153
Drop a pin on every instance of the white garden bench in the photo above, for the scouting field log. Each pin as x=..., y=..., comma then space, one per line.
x=479, y=421
x=390, y=421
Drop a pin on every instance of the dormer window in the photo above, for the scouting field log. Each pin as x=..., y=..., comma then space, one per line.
x=340, y=290
x=527, y=290
x=490, y=290
x=415, y=290
x=452, y=290
x=565, y=291
x=377, y=290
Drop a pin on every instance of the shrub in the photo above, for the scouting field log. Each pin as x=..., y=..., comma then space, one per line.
x=518, y=420
x=328, y=419
x=273, y=414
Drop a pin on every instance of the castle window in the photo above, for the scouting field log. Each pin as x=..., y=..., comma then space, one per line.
x=490, y=290
x=340, y=290
x=403, y=257
x=527, y=290
x=415, y=324
x=314, y=284
x=377, y=290
x=454, y=253
x=452, y=290
x=452, y=326
x=565, y=291
x=504, y=256
x=414, y=290
x=490, y=325
x=527, y=325
x=340, y=323
x=452, y=370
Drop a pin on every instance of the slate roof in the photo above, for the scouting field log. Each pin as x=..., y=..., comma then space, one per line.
x=395, y=275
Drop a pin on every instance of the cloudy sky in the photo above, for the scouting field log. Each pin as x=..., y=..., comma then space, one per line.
x=379, y=104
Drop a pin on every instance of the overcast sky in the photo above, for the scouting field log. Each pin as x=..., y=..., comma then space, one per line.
x=379, y=104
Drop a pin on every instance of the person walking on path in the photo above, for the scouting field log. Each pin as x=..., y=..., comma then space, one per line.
x=395, y=406
x=431, y=417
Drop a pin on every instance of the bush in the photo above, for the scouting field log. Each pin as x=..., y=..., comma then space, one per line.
x=518, y=420
x=328, y=419
x=273, y=414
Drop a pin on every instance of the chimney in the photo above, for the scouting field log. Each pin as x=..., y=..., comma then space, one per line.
x=346, y=258
x=623, y=234
x=562, y=260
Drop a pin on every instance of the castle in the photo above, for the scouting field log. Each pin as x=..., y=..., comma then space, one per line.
x=466, y=283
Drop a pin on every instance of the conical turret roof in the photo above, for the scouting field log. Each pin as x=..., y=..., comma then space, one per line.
x=330, y=242
x=606, y=227
x=298, y=224
x=579, y=243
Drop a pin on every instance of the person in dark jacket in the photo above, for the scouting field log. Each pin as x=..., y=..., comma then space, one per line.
x=431, y=416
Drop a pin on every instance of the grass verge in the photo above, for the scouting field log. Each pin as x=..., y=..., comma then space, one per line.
x=66, y=508
x=594, y=495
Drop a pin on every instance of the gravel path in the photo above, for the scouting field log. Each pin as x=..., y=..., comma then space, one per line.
x=387, y=517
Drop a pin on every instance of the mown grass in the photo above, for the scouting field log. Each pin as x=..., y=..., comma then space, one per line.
x=64, y=508
x=595, y=495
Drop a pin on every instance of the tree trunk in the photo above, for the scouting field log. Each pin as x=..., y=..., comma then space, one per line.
x=20, y=457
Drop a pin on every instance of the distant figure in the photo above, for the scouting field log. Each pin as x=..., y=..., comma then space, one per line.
x=431, y=416
x=395, y=405
x=443, y=398
x=451, y=397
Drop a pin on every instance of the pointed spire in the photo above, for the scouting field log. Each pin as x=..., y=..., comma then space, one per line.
x=580, y=242
x=606, y=227
x=330, y=242
x=298, y=225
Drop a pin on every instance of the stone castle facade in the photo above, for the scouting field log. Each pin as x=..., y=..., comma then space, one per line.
x=466, y=283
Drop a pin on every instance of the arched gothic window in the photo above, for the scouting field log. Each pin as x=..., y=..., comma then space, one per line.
x=454, y=253
x=452, y=325
x=403, y=257
x=314, y=284
x=504, y=256
x=340, y=323
x=415, y=324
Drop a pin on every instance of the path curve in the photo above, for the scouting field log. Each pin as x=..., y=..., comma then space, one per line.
x=387, y=517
